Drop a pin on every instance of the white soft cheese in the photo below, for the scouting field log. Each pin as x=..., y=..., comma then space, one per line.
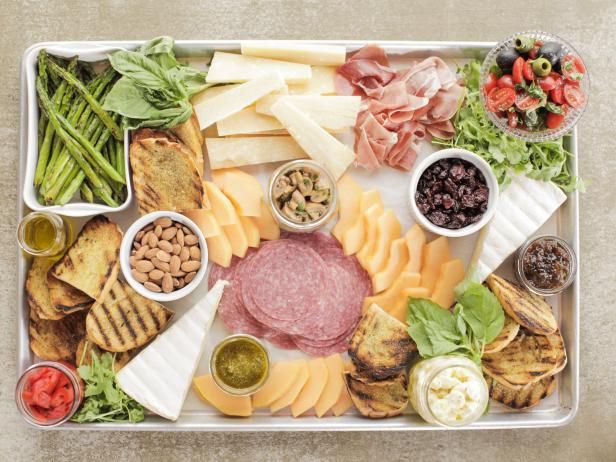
x=454, y=395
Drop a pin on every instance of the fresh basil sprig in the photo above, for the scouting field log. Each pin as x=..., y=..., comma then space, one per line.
x=475, y=321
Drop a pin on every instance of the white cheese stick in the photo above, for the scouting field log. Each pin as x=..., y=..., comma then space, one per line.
x=233, y=68
x=321, y=83
x=247, y=121
x=326, y=55
x=251, y=150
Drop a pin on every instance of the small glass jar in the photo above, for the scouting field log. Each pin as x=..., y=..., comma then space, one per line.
x=43, y=234
x=525, y=277
x=448, y=390
x=23, y=384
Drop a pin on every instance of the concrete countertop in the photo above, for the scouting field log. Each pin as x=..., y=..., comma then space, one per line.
x=589, y=25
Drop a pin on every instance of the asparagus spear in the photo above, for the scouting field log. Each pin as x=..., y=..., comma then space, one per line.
x=86, y=193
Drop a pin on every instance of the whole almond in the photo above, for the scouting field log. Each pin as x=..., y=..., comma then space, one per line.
x=176, y=282
x=165, y=245
x=139, y=276
x=161, y=265
x=167, y=283
x=151, y=286
x=164, y=222
x=174, y=241
x=156, y=275
x=180, y=237
x=139, y=235
x=181, y=283
x=133, y=252
x=149, y=227
x=184, y=254
x=141, y=252
x=190, y=266
x=133, y=261
x=195, y=252
x=153, y=240
x=144, y=266
x=191, y=239
x=169, y=233
x=175, y=263
x=190, y=276
x=178, y=225
x=146, y=238
x=158, y=231
x=179, y=274
x=186, y=230
x=136, y=245
x=176, y=249
x=163, y=256
x=151, y=253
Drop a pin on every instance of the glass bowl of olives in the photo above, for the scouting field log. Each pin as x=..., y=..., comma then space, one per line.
x=534, y=86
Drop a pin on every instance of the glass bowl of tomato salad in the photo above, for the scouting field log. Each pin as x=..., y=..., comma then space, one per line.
x=534, y=86
x=49, y=393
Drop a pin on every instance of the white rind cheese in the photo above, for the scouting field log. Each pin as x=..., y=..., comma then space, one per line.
x=234, y=68
x=523, y=207
x=318, y=144
x=326, y=55
x=237, y=152
x=246, y=122
x=234, y=100
x=160, y=376
x=321, y=83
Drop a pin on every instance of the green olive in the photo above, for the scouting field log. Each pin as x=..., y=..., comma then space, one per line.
x=541, y=67
x=524, y=43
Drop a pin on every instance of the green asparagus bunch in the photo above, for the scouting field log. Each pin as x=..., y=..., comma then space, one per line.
x=81, y=145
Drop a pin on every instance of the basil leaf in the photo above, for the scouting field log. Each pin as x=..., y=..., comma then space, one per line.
x=555, y=108
x=482, y=312
x=159, y=45
x=192, y=79
x=432, y=328
x=141, y=70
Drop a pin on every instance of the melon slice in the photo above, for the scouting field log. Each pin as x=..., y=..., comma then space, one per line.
x=399, y=311
x=242, y=189
x=415, y=241
x=435, y=254
x=353, y=238
x=451, y=274
x=333, y=387
x=392, y=297
x=349, y=193
x=205, y=220
x=282, y=376
x=343, y=404
x=266, y=224
x=387, y=230
x=221, y=205
x=237, y=238
x=311, y=392
x=251, y=231
x=398, y=258
x=208, y=391
x=219, y=250
x=291, y=394
x=370, y=217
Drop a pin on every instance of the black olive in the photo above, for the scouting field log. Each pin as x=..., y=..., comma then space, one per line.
x=551, y=51
x=506, y=58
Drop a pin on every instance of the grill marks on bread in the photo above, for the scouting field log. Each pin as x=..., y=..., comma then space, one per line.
x=523, y=398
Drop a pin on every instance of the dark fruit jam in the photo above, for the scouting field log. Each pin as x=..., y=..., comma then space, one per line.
x=546, y=264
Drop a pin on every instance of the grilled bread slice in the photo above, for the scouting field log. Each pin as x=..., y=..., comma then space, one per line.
x=86, y=348
x=165, y=176
x=190, y=134
x=525, y=397
x=529, y=310
x=56, y=340
x=125, y=320
x=506, y=336
x=380, y=346
x=378, y=399
x=145, y=133
x=527, y=359
x=92, y=263
x=37, y=291
x=65, y=298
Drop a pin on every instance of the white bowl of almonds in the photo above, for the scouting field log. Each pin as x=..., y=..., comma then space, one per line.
x=163, y=256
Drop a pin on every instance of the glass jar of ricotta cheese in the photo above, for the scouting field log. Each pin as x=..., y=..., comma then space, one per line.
x=448, y=390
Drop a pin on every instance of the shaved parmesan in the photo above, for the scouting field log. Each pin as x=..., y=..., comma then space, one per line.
x=329, y=55
x=232, y=68
x=236, y=152
x=247, y=121
x=321, y=83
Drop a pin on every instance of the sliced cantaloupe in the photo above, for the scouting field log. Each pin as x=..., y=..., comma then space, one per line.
x=207, y=390
x=219, y=250
x=398, y=258
x=415, y=241
x=450, y=275
x=242, y=189
x=370, y=217
x=391, y=297
x=353, y=238
x=311, y=392
x=435, y=254
x=387, y=230
x=221, y=205
x=205, y=220
x=266, y=224
x=294, y=390
x=399, y=311
x=415, y=292
x=282, y=376
x=349, y=193
x=251, y=231
x=334, y=385
x=343, y=404
x=237, y=238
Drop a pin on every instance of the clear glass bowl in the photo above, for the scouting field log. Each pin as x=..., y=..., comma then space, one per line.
x=572, y=117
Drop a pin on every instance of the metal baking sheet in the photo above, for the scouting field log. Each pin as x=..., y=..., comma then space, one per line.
x=559, y=409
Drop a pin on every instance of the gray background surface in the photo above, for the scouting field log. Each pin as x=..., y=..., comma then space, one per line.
x=589, y=25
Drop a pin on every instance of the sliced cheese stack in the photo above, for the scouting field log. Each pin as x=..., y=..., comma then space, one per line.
x=299, y=385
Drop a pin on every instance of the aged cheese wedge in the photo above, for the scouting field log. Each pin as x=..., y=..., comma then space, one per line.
x=242, y=189
x=370, y=217
x=321, y=83
x=329, y=55
x=343, y=404
x=236, y=99
x=251, y=231
x=222, y=207
x=237, y=238
x=391, y=298
x=450, y=275
x=435, y=254
x=318, y=144
x=333, y=387
x=282, y=376
x=398, y=258
x=205, y=220
x=399, y=311
x=349, y=193
x=354, y=237
x=315, y=385
x=238, y=152
x=294, y=390
x=333, y=113
x=233, y=68
x=211, y=92
x=232, y=405
x=219, y=250
x=266, y=224
x=387, y=230
x=415, y=241
x=246, y=122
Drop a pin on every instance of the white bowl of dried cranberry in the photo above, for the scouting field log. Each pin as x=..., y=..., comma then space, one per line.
x=163, y=256
x=453, y=193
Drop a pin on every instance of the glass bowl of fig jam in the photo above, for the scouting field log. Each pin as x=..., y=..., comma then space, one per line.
x=545, y=265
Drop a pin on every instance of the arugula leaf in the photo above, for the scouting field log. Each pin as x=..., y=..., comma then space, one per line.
x=482, y=312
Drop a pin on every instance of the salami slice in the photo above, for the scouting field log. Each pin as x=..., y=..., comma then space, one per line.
x=280, y=340
x=323, y=351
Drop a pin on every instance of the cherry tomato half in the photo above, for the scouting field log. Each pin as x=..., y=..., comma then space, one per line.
x=574, y=96
x=547, y=83
x=506, y=81
x=557, y=95
x=555, y=120
x=501, y=99
x=527, y=71
x=573, y=68
x=527, y=103
x=512, y=119
x=518, y=69
x=490, y=83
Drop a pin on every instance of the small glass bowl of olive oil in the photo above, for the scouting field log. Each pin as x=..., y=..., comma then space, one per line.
x=240, y=364
x=43, y=234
